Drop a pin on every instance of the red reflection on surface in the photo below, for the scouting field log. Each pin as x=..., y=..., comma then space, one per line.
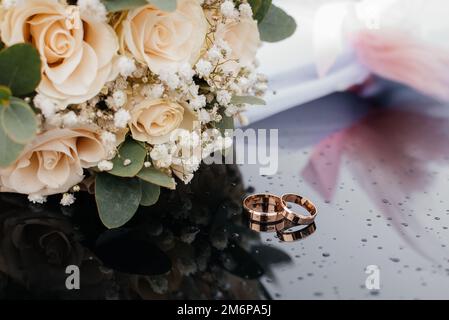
x=388, y=146
x=393, y=156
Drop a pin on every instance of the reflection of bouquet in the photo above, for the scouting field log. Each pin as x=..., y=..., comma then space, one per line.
x=190, y=245
x=131, y=93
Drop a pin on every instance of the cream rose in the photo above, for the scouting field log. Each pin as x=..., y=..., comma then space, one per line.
x=153, y=121
x=243, y=38
x=76, y=50
x=165, y=39
x=53, y=162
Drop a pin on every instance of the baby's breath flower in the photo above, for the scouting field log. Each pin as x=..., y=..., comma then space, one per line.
x=119, y=98
x=121, y=118
x=228, y=10
x=126, y=66
x=67, y=199
x=224, y=97
x=105, y=165
x=245, y=10
x=204, y=68
x=37, y=198
x=47, y=106
x=94, y=8
x=70, y=119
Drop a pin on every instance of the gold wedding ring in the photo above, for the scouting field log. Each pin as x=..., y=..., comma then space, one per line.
x=264, y=207
x=295, y=217
x=268, y=227
x=290, y=236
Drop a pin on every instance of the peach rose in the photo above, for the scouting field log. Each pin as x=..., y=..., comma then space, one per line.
x=76, y=50
x=53, y=162
x=243, y=38
x=153, y=121
x=165, y=39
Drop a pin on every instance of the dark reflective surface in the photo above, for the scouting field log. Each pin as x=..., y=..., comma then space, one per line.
x=191, y=245
x=378, y=172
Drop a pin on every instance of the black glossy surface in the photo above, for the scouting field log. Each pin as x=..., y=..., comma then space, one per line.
x=378, y=172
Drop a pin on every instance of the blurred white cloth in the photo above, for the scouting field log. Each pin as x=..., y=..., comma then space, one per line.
x=291, y=66
x=339, y=42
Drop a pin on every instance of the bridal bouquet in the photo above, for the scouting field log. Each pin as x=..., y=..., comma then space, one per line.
x=123, y=97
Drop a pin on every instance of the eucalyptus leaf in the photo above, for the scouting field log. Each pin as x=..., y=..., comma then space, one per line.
x=20, y=67
x=150, y=193
x=9, y=150
x=248, y=100
x=119, y=5
x=135, y=152
x=165, y=5
x=277, y=25
x=157, y=177
x=19, y=121
x=260, y=8
x=5, y=95
x=117, y=199
x=226, y=123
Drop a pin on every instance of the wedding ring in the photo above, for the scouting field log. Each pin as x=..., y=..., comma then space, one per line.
x=263, y=207
x=295, y=217
x=268, y=227
x=290, y=236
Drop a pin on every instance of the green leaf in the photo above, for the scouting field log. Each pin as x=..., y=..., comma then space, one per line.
x=165, y=5
x=157, y=177
x=277, y=25
x=119, y=5
x=19, y=121
x=248, y=100
x=9, y=150
x=5, y=94
x=132, y=150
x=260, y=8
x=20, y=67
x=117, y=199
x=150, y=193
x=226, y=123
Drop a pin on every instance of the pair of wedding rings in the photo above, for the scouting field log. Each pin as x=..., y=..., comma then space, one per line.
x=271, y=213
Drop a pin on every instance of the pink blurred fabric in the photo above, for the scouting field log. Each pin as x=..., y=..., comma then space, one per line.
x=399, y=57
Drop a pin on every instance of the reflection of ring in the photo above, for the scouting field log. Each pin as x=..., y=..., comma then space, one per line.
x=264, y=207
x=289, y=236
x=268, y=227
x=296, y=217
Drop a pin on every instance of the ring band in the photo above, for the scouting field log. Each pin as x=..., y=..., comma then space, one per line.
x=264, y=207
x=268, y=227
x=294, y=217
x=290, y=236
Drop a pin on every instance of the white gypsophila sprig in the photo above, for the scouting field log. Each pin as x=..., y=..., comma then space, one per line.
x=47, y=106
x=245, y=10
x=7, y=4
x=70, y=119
x=37, y=199
x=203, y=68
x=105, y=165
x=126, y=66
x=121, y=118
x=95, y=9
x=228, y=9
x=67, y=199
x=119, y=98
